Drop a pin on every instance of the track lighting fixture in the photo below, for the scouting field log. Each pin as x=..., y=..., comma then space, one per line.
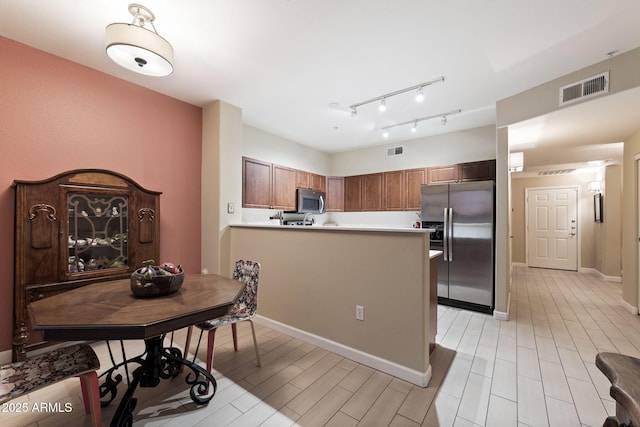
x=415, y=122
x=383, y=105
x=385, y=134
x=354, y=112
x=382, y=98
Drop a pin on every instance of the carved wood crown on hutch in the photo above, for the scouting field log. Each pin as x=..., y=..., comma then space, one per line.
x=73, y=229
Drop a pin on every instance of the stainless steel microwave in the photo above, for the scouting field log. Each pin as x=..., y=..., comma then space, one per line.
x=310, y=201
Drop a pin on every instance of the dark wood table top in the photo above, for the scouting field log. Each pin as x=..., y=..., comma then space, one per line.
x=109, y=310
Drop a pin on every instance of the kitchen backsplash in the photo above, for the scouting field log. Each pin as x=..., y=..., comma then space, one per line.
x=370, y=219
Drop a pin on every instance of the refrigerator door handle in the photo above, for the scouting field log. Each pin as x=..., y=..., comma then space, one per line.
x=445, y=240
x=450, y=234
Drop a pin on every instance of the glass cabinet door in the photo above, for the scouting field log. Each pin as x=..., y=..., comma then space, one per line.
x=96, y=232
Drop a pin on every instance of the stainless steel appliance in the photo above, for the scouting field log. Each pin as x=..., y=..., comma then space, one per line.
x=463, y=216
x=310, y=201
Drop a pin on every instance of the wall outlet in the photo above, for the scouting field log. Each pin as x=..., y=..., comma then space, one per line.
x=230, y=208
x=359, y=312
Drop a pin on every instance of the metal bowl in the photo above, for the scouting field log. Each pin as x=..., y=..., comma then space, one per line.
x=155, y=286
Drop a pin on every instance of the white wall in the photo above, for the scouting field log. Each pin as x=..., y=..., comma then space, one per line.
x=455, y=147
x=261, y=145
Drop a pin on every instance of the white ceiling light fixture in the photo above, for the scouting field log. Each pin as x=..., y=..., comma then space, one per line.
x=383, y=105
x=415, y=122
x=138, y=49
x=382, y=98
x=516, y=161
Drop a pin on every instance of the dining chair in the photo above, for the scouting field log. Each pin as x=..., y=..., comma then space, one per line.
x=243, y=310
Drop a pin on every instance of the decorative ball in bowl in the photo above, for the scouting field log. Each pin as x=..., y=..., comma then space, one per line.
x=154, y=281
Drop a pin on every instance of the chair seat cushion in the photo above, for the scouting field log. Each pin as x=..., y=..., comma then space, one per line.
x=223, y=320
x=44, y=369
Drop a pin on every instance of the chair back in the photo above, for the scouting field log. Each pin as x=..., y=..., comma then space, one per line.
x=248, y=272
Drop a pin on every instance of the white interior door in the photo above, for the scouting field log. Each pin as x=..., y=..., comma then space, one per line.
x=552, y=228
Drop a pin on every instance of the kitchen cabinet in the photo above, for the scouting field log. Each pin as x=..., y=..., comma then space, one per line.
x=317, y=182
x=363, y=192
x=373, y=187
x=414, y=178
x=335, y=194
x=256, y=184
x=73, y=229
x=309, y=180
x=443, y=174
x=284, y=188
x=394, y=190
x=353, y=189
x=267, y=186
x=478, y=171
x=470, y=171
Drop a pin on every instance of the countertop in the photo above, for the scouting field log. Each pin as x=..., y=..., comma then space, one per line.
x=433, y=254
x=337, y=228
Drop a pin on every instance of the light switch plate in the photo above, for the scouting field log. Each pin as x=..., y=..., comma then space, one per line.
x=230, y=208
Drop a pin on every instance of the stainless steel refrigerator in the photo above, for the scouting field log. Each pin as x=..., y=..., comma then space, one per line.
x=463, y=216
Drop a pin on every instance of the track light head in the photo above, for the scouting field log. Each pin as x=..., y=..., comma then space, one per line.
x=420, y=95
x=414, y=128
x=383, y=105
x=354, y=112
x=444, y=120
x=385, y=133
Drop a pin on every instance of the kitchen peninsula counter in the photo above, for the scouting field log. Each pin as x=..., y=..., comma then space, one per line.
x=312, y=278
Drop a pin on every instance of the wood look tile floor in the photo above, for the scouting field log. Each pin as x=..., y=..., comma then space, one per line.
x=538, y=369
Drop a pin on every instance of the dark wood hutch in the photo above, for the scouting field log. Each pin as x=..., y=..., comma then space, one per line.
x=76, y=228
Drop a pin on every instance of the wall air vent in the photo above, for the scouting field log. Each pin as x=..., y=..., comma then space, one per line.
x=395, y=151
x=584, y=89
x=556, y=172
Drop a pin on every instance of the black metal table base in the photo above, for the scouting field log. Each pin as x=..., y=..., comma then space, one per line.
x=157, y=362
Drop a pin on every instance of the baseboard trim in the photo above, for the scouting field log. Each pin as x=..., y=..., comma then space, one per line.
x=421, y=379
x=518, y=264
x=631, y=309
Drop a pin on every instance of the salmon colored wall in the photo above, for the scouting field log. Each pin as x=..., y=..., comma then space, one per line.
x=57, y=115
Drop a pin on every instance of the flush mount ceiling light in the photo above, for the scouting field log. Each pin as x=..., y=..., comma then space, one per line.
x=414, y=122
x=138, y=49
x=382, y=98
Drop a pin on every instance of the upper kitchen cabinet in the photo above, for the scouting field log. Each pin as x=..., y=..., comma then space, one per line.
x=471, y=171
x=335, y=194
x=363, y=192
x=256, y=184
x=353, y=189
x=267, y=186
x=373, y=188
x=76, y=228
x=284, y=188
x=478, y=171
x=310, y=181
x=394, y=191
x=443, y=174
x=414, y=178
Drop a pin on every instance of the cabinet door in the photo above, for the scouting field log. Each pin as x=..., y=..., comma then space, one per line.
x=394, y=191
x=414, y=178
x=256, y=184
x=372, y=198
x=317, y=182
x=284, y=188
x=478, y=171
x=335, y=194
x=303, y=179
x=353, y=193
x=440, y=174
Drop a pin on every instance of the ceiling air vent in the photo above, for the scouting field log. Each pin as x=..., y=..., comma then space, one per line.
x=395, y=151
x=583, y=89
x=556, y=172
